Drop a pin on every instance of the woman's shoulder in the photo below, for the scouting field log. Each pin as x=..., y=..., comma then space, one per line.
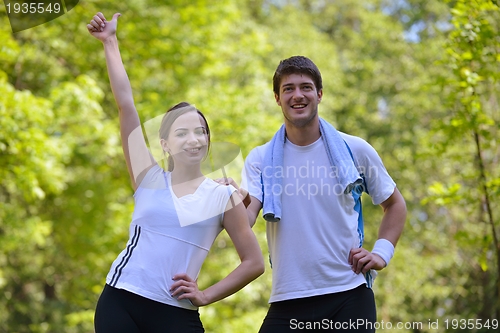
x=154, y=177
x=211, y=185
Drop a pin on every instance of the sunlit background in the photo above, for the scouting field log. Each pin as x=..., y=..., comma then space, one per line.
x=418, y=79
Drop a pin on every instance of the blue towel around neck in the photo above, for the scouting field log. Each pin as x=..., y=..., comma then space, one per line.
x=337, y=152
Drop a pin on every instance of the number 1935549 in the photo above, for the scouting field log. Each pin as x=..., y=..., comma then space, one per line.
x=33, y=8
x=471, y=324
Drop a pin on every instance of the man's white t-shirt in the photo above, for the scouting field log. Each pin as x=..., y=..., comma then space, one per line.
x=309, y=247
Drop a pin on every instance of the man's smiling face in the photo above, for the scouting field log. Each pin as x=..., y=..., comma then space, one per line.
x=299, y=99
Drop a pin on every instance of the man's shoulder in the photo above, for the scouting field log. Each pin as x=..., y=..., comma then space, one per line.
x=355, y=142
x=258, y=152
x=362, y=151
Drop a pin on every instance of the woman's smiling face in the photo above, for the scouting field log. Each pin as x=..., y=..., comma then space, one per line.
x=187, y=141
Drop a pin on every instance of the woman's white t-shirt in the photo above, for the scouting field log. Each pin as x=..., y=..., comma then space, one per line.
x=168, y=235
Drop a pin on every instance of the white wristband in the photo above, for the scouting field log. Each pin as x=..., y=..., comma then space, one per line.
x=384, y=249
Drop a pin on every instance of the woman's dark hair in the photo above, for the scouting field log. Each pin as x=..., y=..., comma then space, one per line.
x=296, y=65
x=168, y=119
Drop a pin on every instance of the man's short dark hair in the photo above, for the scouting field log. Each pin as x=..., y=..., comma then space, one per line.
x=297, y=65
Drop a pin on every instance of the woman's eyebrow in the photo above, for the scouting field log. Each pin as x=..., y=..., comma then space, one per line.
x=185, y=129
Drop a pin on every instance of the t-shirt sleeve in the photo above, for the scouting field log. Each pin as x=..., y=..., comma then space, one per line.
x=153, y=179
x=379, y=184
x=223, y=199
x=251, y=179
x=227, y=193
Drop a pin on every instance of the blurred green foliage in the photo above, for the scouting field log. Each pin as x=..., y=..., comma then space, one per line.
x=418, y=79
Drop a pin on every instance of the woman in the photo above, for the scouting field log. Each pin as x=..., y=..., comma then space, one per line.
x=151, y=286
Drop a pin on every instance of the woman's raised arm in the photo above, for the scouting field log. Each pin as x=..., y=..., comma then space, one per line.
x=137, y=155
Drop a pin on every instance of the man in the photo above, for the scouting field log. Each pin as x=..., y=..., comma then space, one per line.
x=308, y=181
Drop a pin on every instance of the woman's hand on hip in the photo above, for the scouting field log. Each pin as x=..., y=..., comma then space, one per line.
x=185, y=287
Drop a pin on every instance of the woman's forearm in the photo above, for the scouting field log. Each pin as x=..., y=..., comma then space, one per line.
x=242, y=275
x=120, y=83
